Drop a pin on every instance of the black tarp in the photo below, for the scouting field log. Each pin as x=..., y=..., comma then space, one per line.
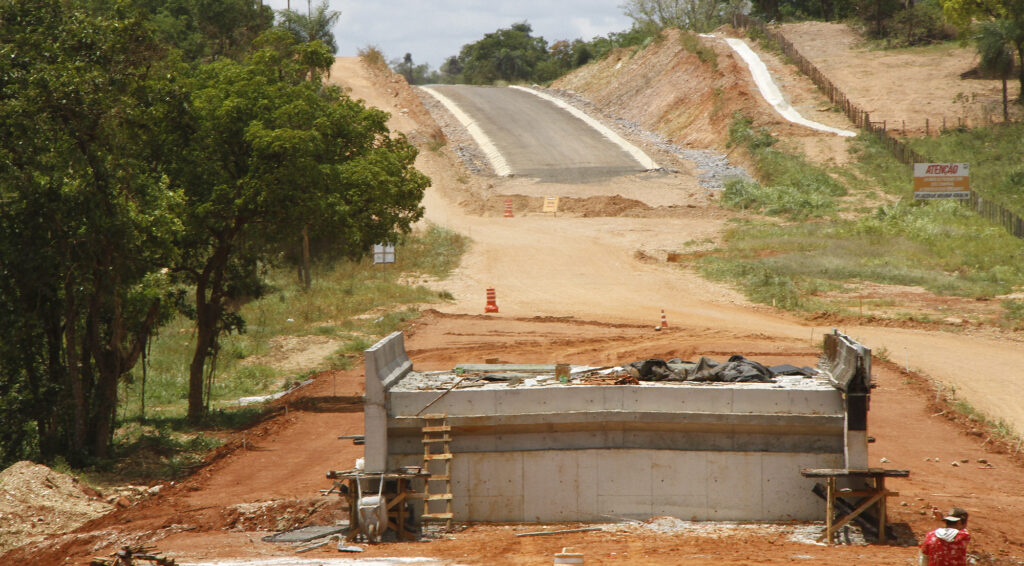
x=737, y=370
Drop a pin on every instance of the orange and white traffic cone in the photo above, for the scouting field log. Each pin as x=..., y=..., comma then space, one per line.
x=508, y=208
x=492, y=302
x=664, y=322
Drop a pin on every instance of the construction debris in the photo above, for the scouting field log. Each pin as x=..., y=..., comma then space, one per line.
x=561, y=532
x=134, y=556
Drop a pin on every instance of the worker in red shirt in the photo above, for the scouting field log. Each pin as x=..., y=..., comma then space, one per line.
x=947, y=546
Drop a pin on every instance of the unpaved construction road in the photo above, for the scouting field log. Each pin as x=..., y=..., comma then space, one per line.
x=587, y=268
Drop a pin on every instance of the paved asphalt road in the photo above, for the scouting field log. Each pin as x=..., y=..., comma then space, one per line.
x=538, y=139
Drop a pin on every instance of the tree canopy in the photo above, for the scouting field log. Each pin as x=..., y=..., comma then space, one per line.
x=509, y=54
x=272, y=153
x=151, y=159
x=1009, y=18
x=86, y=219
x=313, y=26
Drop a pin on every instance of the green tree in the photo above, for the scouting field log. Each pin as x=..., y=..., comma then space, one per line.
x=86, y=220
x=695, y=15
x=509, y=54
x=993, y=42
x=315, y=25
x=207, y=29
x=274, y=153
x=965, y=13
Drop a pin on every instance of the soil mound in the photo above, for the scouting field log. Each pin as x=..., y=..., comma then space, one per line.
x=36, y=501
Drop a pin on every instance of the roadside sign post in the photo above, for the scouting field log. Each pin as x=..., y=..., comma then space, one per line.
x=383, y=253
x=551, y=205
x=942, y=181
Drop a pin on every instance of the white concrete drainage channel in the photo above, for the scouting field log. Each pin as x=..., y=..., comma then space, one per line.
x=770, y=91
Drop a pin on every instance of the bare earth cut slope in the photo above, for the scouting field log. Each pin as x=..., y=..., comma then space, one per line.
x=587, y=286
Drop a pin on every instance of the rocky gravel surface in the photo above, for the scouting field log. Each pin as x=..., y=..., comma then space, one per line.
x=458, y=137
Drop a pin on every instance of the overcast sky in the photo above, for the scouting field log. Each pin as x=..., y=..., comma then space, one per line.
x=433, y=30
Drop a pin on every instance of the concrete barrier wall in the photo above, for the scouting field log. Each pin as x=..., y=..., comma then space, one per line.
x=672, y=399
x=385, y=363
x=602, y=485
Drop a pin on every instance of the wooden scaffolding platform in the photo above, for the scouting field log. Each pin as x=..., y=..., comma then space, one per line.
x=872, y=496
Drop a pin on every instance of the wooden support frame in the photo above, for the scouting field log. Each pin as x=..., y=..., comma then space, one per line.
x=874, y=496
x=395, y=500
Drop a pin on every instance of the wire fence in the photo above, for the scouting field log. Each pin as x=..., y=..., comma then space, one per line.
x=900, y=149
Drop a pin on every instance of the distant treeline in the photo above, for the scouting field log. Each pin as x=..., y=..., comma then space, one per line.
x=514, y=54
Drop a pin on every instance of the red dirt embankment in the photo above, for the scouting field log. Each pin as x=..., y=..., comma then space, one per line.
x=270, y=480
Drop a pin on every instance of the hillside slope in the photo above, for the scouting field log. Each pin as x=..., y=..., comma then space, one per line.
x=667, y=89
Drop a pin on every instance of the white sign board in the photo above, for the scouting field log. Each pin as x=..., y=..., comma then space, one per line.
x=383, y=253
x=942, y=180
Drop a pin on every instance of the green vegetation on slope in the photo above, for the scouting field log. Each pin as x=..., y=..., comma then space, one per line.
x=994, y=153
x=353, y=303
x=939, y=246
x=790, y=186
x=330, y=308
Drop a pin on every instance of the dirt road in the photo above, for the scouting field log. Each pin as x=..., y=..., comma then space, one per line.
x=588, y=268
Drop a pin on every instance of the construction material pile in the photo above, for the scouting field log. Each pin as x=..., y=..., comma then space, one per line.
x=737, y=370
x=36, y=501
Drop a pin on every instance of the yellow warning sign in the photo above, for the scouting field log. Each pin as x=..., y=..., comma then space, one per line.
x=942, y=180
x=550, y=204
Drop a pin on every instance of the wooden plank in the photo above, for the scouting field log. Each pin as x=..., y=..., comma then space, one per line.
x=560, y=532
x=856, y=512
x=830, y=508
x=397, y=499
x=843, y=472
x=438, y=428
x=437, y=516
x=865, y=493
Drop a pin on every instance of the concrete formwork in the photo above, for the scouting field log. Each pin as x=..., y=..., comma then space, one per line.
x=547, y=451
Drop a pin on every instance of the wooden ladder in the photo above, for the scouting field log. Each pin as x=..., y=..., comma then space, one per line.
x=437, y=456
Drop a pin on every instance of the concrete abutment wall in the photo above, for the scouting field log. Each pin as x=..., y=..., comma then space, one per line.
x=574, y=452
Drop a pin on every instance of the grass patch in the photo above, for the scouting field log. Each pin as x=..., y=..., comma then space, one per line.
x=999, y=429
x=693, y=43
x=340, y=293
x=372, y=57
x=1013, y=314
x=435, y=144
x=997, y=171
x=789, y=185
x=939, y=246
